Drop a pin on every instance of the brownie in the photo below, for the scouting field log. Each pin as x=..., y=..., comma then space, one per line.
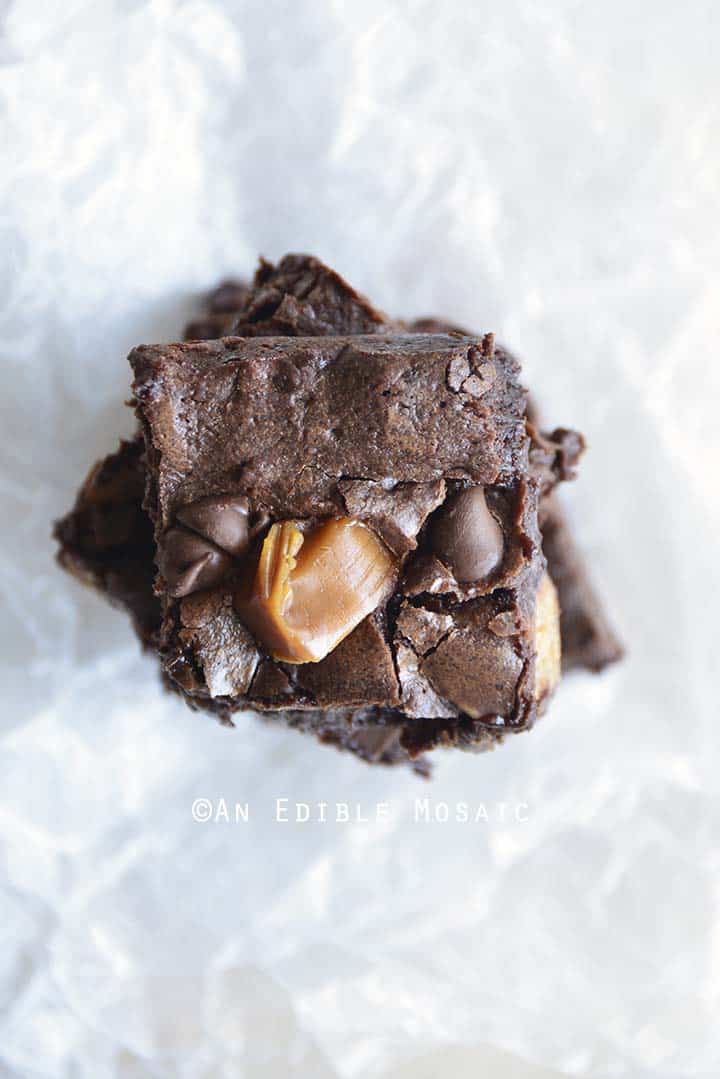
x=301, y=296
x=401, y=460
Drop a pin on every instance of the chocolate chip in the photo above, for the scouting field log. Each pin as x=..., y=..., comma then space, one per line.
x=224, y=519
x=466, y=536
x=189, y=563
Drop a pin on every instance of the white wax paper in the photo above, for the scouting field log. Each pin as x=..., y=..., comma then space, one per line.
x=546, y=170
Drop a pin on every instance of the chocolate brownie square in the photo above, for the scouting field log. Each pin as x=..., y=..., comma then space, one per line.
x=349, y=523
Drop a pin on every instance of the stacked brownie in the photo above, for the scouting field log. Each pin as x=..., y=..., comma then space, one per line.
x=334, y=520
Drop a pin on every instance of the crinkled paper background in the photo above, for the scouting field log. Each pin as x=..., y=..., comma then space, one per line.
x=547, y=170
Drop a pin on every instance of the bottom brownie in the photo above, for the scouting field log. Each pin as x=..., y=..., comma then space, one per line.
x=107, y=541
x=588, y=639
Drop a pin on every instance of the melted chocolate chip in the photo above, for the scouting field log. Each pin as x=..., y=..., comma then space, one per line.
x=225, y=520
x=466, y=536
x=189, y=563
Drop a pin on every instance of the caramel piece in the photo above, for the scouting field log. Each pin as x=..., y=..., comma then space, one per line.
x=547, y=638
x=310, y=590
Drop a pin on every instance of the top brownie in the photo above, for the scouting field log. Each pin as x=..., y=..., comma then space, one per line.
x=349, y=524
x=285, y=421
